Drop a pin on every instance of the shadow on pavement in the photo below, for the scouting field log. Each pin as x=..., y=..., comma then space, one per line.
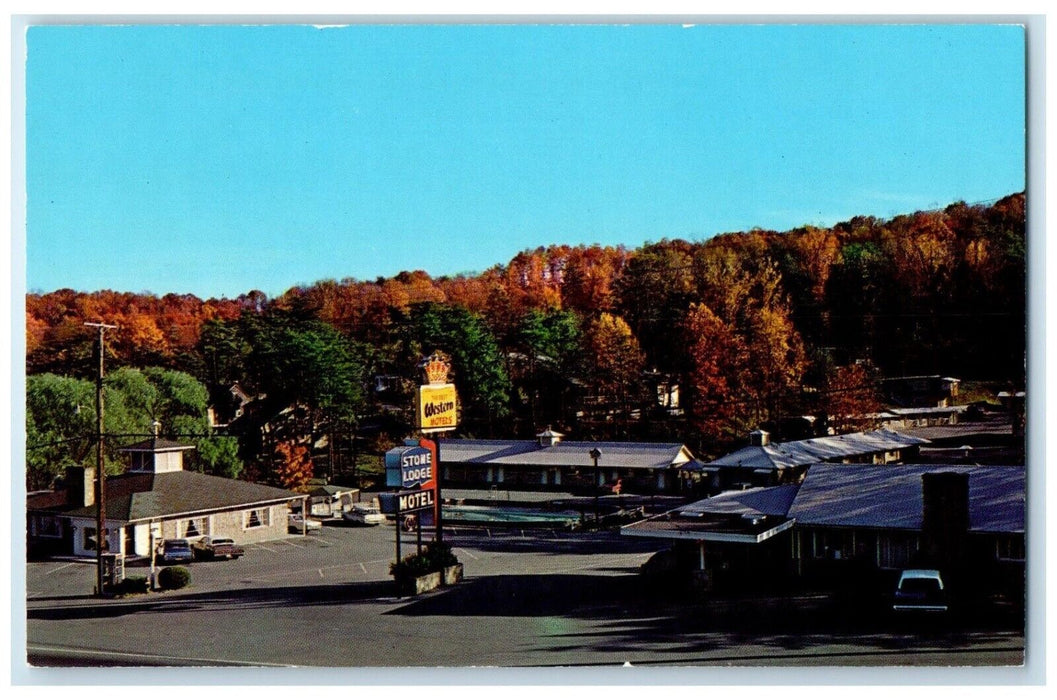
x=241, y=599
x=629, y=617
x=527, y=596
x=564, y=543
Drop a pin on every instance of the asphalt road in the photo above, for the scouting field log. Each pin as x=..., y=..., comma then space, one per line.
x=532, y=600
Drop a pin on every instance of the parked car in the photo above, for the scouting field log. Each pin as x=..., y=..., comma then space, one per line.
x=364, y=514
x=294, y=523
x=216, y=548
x=176, y=552
x=920, y=590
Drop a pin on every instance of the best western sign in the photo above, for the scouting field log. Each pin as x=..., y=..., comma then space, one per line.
x=436, y=407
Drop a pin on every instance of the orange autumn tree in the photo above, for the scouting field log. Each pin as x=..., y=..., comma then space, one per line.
x=293, y=465
x=615, y=364
x=713, y=352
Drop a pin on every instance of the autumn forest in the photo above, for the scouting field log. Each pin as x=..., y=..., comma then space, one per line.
x=675, y=341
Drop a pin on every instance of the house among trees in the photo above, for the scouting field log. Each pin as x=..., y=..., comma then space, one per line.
x=928, y=390
x=551, y=463
x=156, y=499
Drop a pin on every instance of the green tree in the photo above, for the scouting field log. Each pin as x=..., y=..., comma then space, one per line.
x=60, y=426
x=543, y=369
x=654, y=291
x=60, y=421
x=480, y=372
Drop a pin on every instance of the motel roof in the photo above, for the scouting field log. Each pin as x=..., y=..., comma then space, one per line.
x=782, y=455
x=623, y=455
x=842, y=495
x=775, y=500
x=156, y=445
x=133, y=497
x=889, y=496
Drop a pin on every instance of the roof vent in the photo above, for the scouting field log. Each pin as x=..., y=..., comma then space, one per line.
x=549, y=438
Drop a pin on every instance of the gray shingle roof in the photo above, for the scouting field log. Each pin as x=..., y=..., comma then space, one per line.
x=623, y=455
x=132, y=497
x=469, y=451
x=889, y=496
x=775, y=500
x=782, y=455
x=865, y=496
x=156, y=445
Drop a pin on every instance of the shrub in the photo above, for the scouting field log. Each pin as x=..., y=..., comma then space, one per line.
x=129, y=585
x=436, y=557
x=172, y=578
x=134, y=584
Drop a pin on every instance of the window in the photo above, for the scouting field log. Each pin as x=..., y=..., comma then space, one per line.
x=258, y=517
x=896, y=550
x=89, y=539
x=44, y=526
x=195, y=527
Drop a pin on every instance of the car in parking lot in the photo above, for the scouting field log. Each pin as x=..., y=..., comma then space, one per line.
x=176, y=551
x=216, y=548
x=364, y=514
x=920, y=590
x=296, y=522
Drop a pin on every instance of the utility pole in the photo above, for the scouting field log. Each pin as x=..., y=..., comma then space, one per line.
x=100, y=476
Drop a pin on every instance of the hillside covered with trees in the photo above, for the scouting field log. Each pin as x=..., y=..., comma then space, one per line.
x=750, y=326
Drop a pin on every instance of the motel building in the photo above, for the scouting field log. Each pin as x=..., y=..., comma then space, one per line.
x=855, y=520
x=155, y=500
x=550, y=463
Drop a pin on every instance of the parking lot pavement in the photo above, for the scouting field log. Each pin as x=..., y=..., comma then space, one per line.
x=537, y=599
x=349, y=554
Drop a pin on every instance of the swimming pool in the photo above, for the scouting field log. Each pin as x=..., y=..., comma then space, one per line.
x=513, y=516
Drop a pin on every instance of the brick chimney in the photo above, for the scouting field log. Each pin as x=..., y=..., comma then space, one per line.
x=80, y=486
x=759, y=438
x=944, y=517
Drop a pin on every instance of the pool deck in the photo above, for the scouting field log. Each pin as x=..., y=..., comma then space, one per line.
x=556, y=499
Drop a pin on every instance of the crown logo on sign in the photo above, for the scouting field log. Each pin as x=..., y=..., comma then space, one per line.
x=436, y=369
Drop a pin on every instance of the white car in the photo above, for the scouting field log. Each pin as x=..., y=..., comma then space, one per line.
x=920, y=589
x=297, y=523
x=364, y=514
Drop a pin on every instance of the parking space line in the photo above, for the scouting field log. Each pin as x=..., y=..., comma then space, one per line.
x=42, y=649
x=64, y=566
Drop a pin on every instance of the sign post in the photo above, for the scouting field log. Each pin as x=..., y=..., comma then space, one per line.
x=412, y=469
x=436, y=412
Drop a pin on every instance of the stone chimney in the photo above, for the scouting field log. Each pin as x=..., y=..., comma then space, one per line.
x=944, y=517
x=80, y=486
x=759, y=438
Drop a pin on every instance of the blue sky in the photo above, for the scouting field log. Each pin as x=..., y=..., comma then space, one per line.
x=215, y=160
